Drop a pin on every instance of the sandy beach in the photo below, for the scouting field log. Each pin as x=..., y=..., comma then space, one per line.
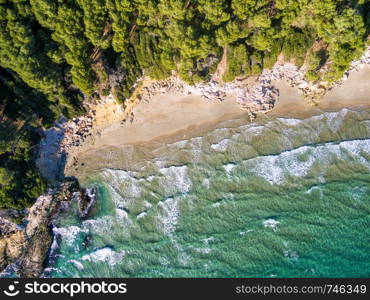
x=171, y=114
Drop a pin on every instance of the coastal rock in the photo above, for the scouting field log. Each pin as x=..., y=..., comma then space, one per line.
x=27, y=247
x=86, y=199
x=12, y=243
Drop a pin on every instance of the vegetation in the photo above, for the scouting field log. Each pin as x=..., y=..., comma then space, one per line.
x=55, y=53
x=19, y=105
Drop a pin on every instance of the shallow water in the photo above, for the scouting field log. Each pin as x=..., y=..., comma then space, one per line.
x=278, y=197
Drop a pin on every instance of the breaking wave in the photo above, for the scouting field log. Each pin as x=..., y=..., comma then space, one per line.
x=279, y=197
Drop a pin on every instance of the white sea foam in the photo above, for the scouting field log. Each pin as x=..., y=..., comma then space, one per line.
x=150, y=178
x=141, y=215
x=123, y=180
x=235, y=136
x=196, y=149
x=359, y=192
x=291, y=254
x=272, y=223
x=205, y=183
x=290, y=122
x=207, y=240
x=197, y=141
x=176, y=179
x=69, y=234
x=179, y=144
x=105, y=255
x=117, y=198
x=298, y=162
x=205, y=250
x=121, y=214
x=146, y=204
x=356, y=149
x=221, y=131
x=183, y=258
x=106, y=225
x=332, y=120
x=252, y=129
x=77, y=264
x=169, y=216
x=220, y=146
x=335, y=119
x=314, y=188
x=245, y=232
x=229, y=167
x=125, y=190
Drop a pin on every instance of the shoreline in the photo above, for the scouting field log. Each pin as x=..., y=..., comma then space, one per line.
x=165, y=115
x=159, y=109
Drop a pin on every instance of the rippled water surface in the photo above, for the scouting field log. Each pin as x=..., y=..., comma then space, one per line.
x=279, y=197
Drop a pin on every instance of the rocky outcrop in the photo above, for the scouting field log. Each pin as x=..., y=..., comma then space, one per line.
x=26, y=246
x=86, y=199
x=77, y=130
x=12, y=241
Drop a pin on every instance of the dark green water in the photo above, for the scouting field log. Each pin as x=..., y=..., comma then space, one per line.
x=280, y=197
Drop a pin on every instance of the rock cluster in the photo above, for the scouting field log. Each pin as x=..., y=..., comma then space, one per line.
x=260, y=97
x=12, y=214
x=86, y=199
x=77, y=130
x=7, y=227
x=158, y=87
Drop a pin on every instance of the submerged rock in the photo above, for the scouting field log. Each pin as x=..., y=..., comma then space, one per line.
x=86, y=199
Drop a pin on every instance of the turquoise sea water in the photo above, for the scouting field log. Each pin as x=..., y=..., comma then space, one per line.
x=274, y=198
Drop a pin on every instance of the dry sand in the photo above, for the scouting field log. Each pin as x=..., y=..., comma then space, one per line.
x=355, y=91
x=165, y=115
